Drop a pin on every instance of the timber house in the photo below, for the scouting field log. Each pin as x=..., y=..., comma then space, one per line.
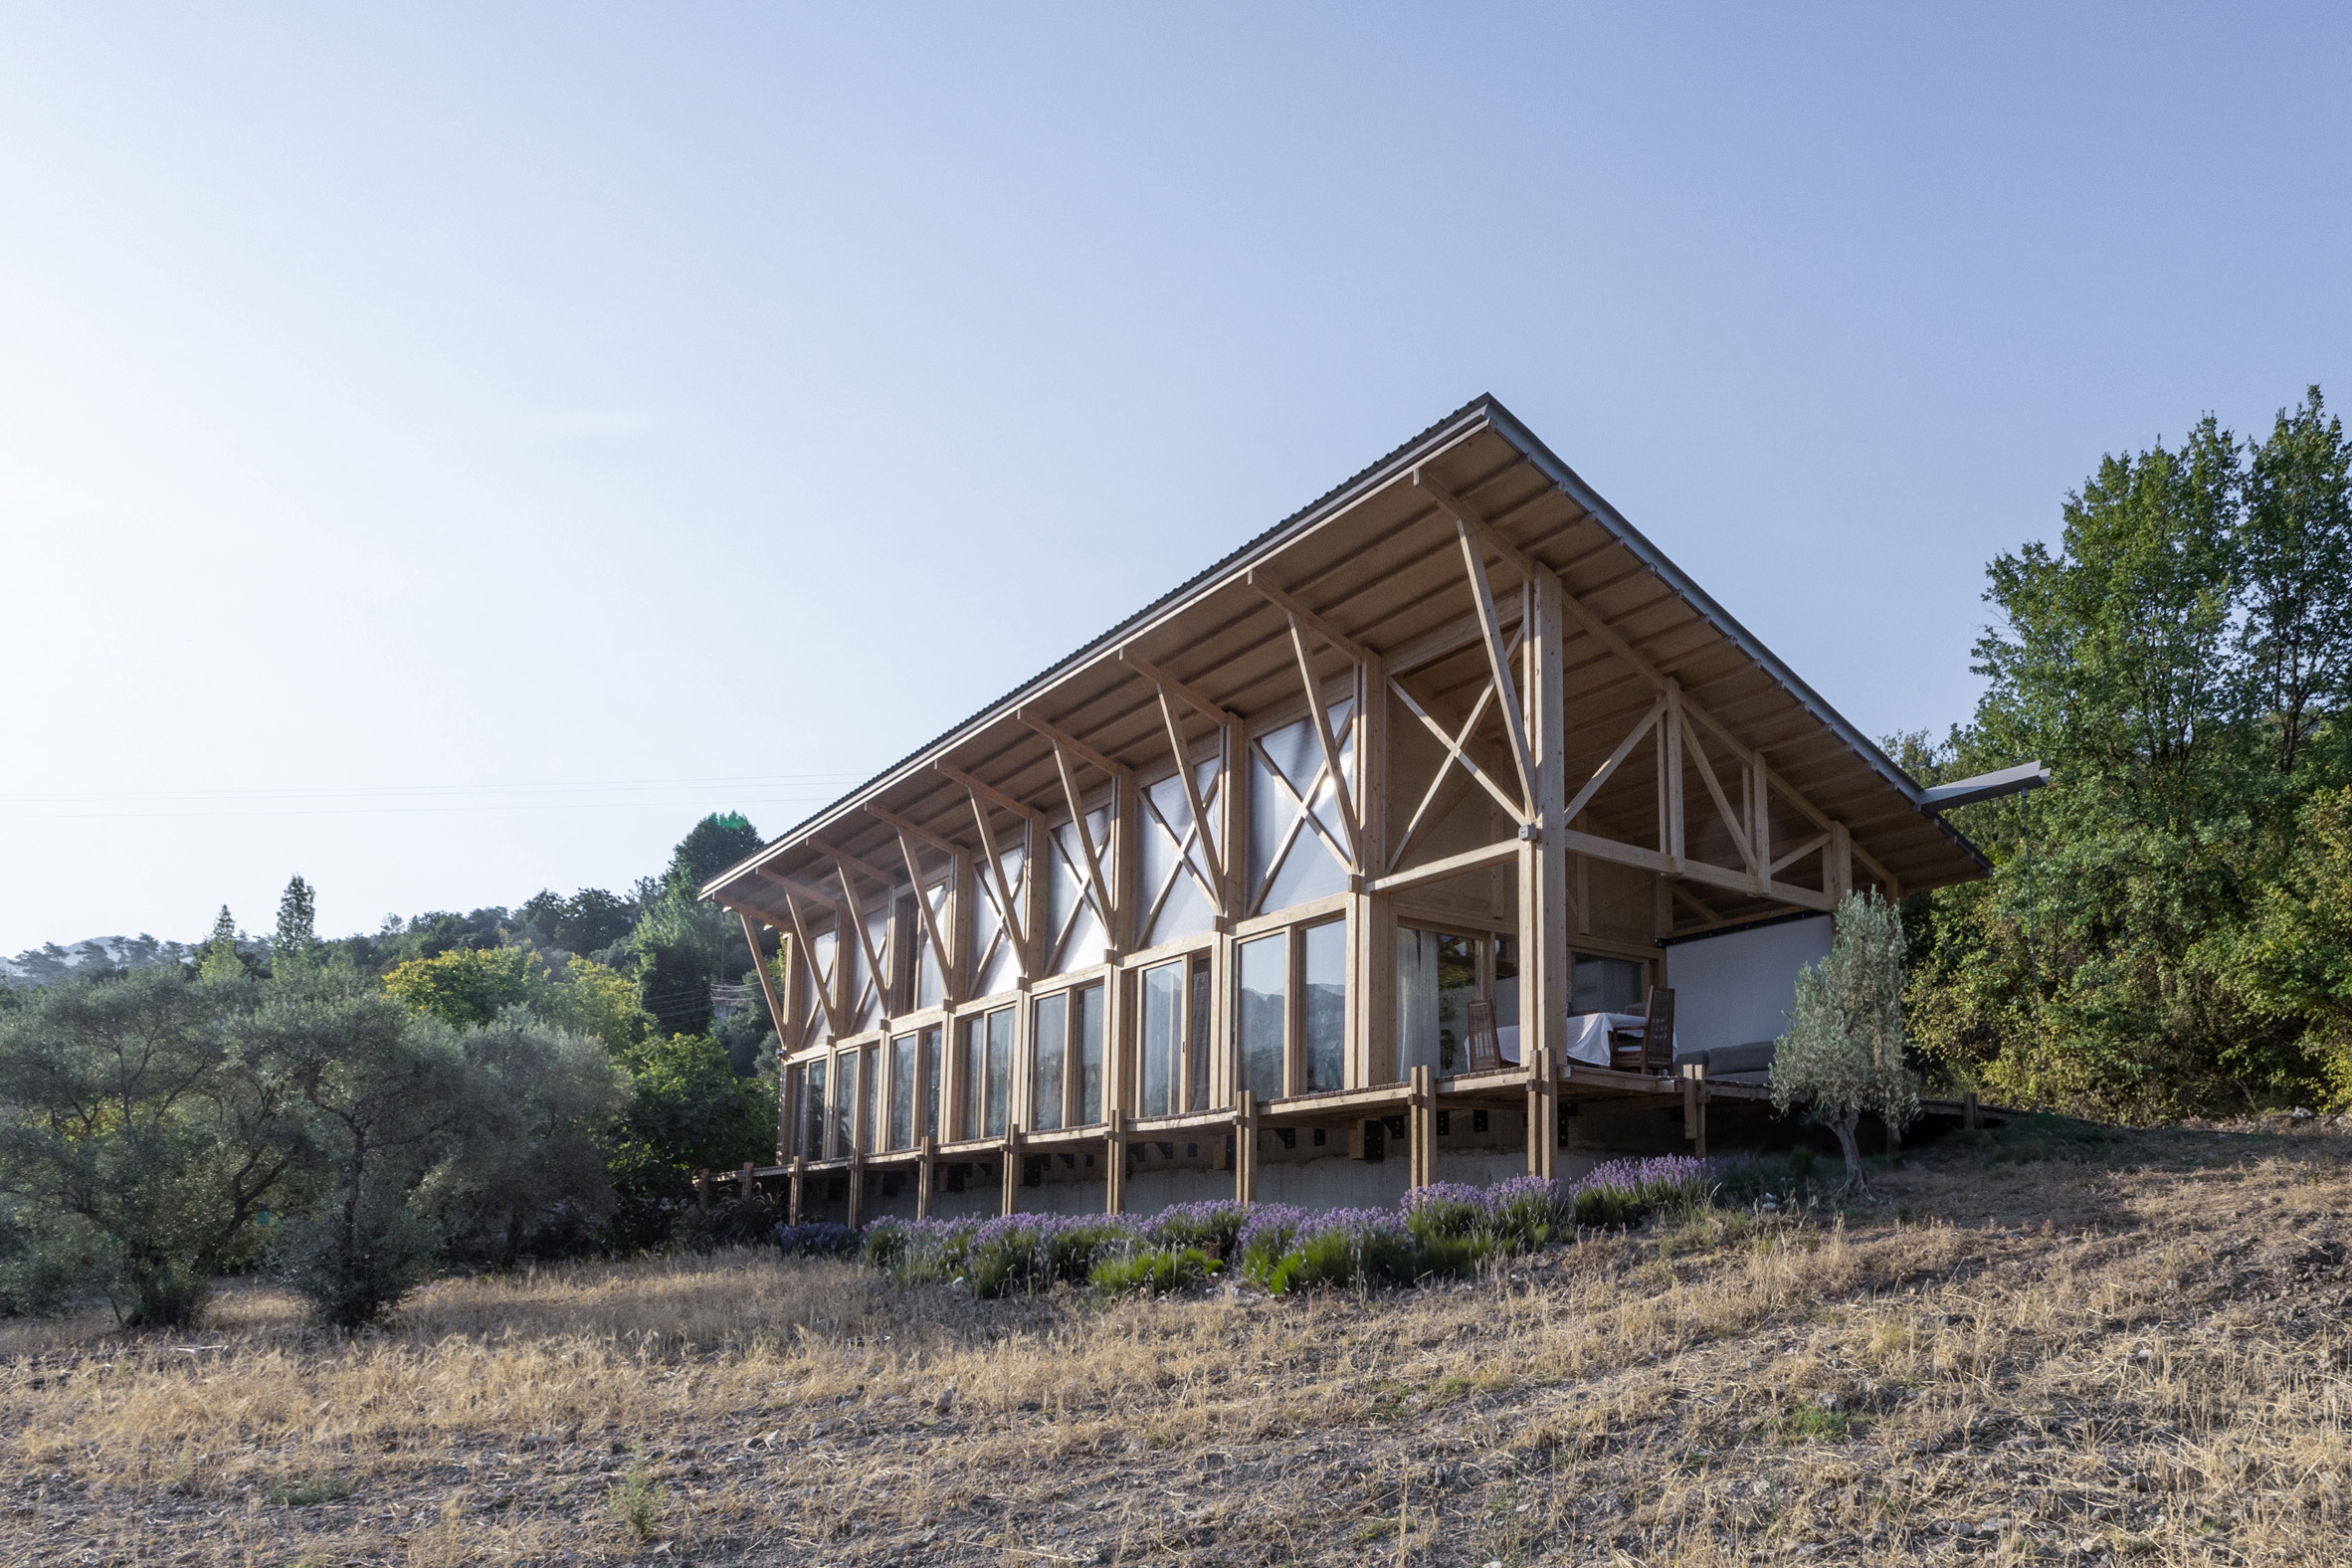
x=1309, y=881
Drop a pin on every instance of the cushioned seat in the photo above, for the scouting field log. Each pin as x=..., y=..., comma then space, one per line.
x=1751, y=1062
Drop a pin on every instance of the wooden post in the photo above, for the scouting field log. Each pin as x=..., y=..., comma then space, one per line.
x=1422, y=1125
x=1116, y=1173
x=856, y=1213
x=798, y=1200
x=1245, y=1146
x=924, y=1178
x=750, y=1185
x=1968, y=1117
x=1012, y=1183
x=1543, y=1114
x=1699, y=1083
x=1545, y=982
x=702, y=1190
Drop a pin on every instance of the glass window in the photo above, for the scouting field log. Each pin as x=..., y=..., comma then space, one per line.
x=1162, y=1036
x=810, y=1139
x=1174, y=865
x=902, y=1091
x=1265, y=1007
x=1506, y=982
x=870, y=1099
x=1000, y=1069
x=1323, y=1016
x=930, y=984
x=1049, y=1038
x=1607, y=985
x=820, y=974
x=1417, y=1001
x=1290, y=862
x=998, y=967
x=796, y=1088
x=1196, y=1030
x=845, y=1129
x=1076, y=935
x=930, y=1090
x=974, y=1110
x=1088, y=1041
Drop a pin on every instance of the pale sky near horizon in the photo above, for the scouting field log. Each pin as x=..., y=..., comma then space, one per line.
x=445, y=449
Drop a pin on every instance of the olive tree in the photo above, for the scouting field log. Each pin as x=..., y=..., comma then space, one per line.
x=1844, y=1053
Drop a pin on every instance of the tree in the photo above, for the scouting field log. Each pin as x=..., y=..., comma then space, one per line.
x=467, y=986
x=526, y=1164
x=1844, y=1053
x=687, y=1112
x=297, y=922
x=218, y=958
x=143, y=1133
x=386, y=1093
x=2294, y=548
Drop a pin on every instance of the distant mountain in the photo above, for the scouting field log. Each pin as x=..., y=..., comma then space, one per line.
x=49, y=965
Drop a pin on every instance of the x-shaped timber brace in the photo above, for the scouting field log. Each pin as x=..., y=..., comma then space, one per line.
x=1674, y=722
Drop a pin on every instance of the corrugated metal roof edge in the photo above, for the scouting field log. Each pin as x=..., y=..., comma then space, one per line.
x=1484, y=409
x=1477, y=411
x=1545, y=460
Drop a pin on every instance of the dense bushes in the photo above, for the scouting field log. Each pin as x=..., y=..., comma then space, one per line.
x=1444, y=1230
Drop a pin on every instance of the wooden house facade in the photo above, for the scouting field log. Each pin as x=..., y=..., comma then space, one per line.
x=1202, y=909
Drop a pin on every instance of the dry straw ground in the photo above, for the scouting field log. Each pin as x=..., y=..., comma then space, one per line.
x=2133, y=1351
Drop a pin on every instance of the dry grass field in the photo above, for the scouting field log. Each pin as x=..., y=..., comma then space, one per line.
x=2132, y=1350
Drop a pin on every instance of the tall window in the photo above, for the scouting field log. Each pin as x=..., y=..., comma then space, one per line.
x=869, y=1097
x=1048, y=1042
x=1265, y=1013
x=1323, y=1005
x=902, y=1091
x=1162, y=1037
x=845, y=1104
x=810, y=1138
x=1196, y=1033
x=1173, y=1038
x=930, y=1089
x=1087, y=1046
x=1000, y=1069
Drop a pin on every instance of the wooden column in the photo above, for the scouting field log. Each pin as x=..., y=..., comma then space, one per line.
x=1422, y=1127
x=924, y=1177
x=702, y=1190
x=1544, y=979
x=1245, y=1146
x=1012, y=1157
x=797, y=1199
x=1115, y=1172
x=749, y=1183
x=1968, y=1111
x=856, y=1213
x=1371, y=918
x=1695, y=1106
x=1543, y=1113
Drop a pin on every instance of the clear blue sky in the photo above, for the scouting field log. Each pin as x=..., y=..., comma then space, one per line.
x=410, y=414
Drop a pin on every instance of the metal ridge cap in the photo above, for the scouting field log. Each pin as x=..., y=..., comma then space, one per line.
x=1455, y=428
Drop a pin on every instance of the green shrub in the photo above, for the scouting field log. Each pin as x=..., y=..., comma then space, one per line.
x=1160, y=1272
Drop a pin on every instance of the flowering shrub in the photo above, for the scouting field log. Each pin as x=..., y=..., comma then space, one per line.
x=1445, y=1228
x=824, y=1238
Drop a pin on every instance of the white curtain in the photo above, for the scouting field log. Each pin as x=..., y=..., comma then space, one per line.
x=1417, y=1001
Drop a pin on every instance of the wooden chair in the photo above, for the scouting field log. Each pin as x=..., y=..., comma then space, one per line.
x=1484, y=1045
x=1650, y=1048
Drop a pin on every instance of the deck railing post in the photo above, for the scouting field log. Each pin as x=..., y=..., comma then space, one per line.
x=924, y=1177
x=798, y=1199
x=1116, y=1173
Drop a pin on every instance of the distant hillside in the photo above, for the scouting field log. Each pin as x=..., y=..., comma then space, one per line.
x=49, y=964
